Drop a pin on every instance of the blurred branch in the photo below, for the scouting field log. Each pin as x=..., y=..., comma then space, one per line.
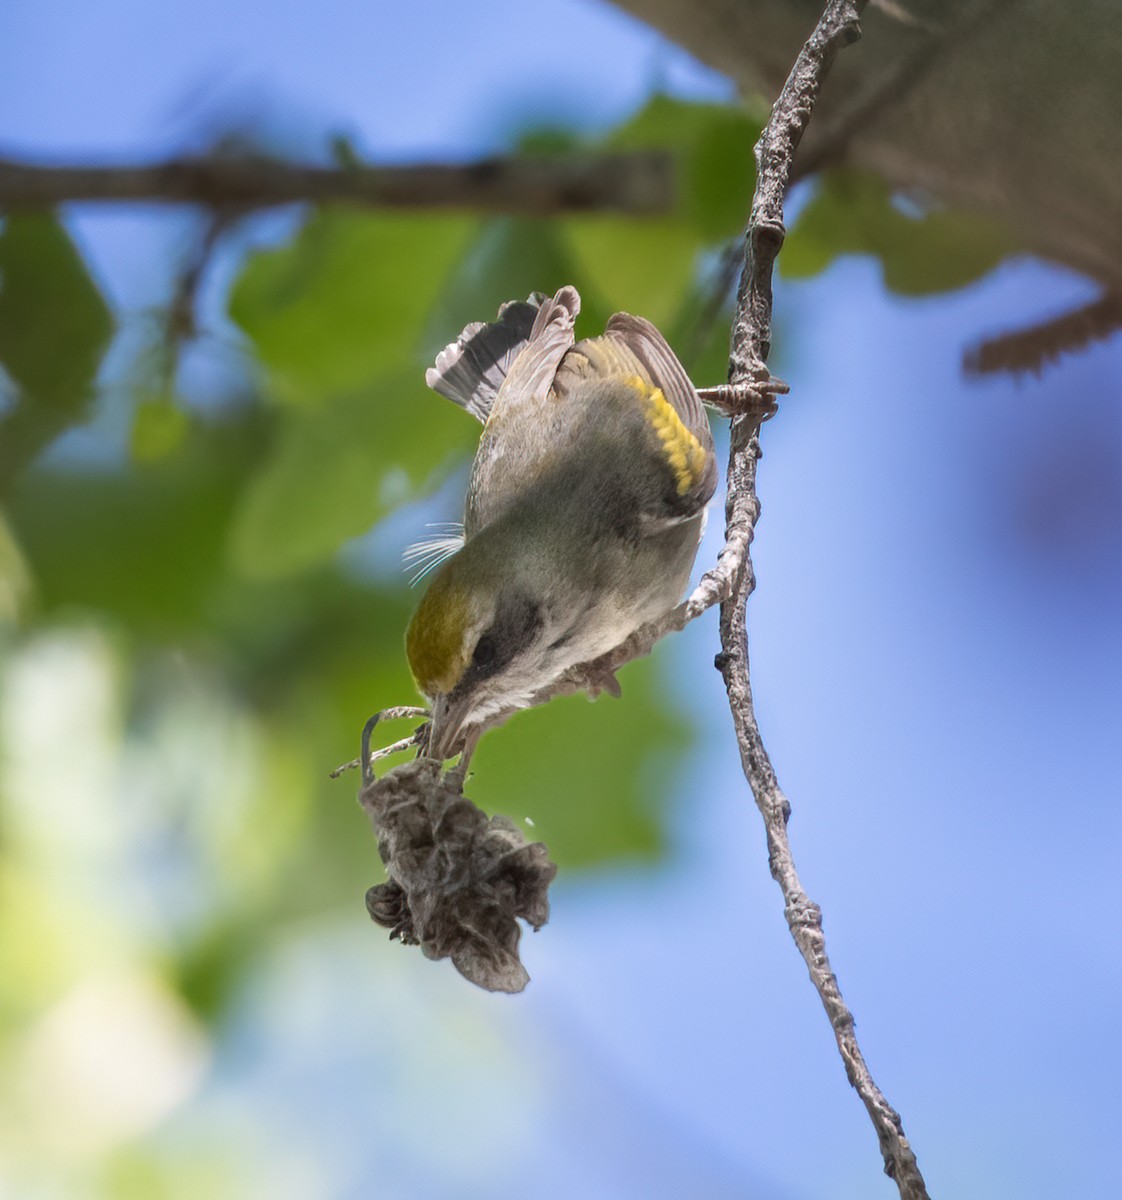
x=751, y=344
x=827, y=145
x=1031, y=349
x=1018, y=121
x=637, y=183
x=182, y=324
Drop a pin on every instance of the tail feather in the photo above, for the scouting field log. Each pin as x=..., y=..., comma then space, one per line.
x=533, y=372
x=470, y=370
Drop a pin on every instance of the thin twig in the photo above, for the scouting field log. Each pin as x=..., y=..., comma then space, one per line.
x=715, y=293
x=751, y=343
x=637, y=183
x=387, y=714
x=181, y=321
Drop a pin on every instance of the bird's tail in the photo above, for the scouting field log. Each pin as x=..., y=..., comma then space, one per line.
x=470, y=370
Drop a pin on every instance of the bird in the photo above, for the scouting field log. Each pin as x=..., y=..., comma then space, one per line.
x=584, y=510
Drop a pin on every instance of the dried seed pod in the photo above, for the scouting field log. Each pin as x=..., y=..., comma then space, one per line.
x=458, y=879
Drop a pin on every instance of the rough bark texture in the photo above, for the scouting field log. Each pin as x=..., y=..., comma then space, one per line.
x=751, y=340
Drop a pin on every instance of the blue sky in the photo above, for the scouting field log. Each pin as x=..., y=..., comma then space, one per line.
x=937, y=660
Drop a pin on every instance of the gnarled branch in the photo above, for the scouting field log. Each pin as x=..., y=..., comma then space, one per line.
x=751, y=343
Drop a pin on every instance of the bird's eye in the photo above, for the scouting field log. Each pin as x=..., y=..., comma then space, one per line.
x=484, y=651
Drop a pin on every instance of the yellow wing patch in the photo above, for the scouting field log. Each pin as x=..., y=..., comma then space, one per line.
x=684, y=452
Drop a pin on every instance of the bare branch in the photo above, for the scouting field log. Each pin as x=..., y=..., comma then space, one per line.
x=182, y=323
x=751, y=343
x=638, y=183
x=1033, y=348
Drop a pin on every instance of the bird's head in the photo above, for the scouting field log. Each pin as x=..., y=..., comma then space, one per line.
x=476, y=645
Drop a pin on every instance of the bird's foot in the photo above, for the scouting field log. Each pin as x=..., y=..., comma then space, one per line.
x=598, y=677
x=746, y=399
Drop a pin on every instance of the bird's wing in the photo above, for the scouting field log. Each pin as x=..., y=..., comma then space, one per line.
x=633, y=351
x=661, y=367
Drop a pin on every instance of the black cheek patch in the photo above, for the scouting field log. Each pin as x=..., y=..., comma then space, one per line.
x=517, y=623
x=486, y=651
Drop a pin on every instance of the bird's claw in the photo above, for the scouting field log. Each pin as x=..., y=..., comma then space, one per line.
x=746, y=399
x=600, y=678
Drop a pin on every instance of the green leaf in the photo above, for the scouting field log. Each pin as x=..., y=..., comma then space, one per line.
x=144, y=544
x=712, y=146
x=209, y=968
x=943, y=251
x=342, y=304
x=334, y=470
x=591, y=777
x=854, y=213
x=16, y=583
x=54, y=326
x=158, y=428
x=53, y=321
x=647, y=265
x=511, y=257
x=643, y=267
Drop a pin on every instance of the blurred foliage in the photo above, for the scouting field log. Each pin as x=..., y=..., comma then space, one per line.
x=649, y=265
x=196, y=620
x=341, y=304
x=159, y=426
x=45, y=289
x=922, y=252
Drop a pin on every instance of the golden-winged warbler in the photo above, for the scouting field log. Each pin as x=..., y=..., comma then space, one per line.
x=583, y=515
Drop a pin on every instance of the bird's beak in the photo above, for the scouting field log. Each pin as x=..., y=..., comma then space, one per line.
x=446, y=727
